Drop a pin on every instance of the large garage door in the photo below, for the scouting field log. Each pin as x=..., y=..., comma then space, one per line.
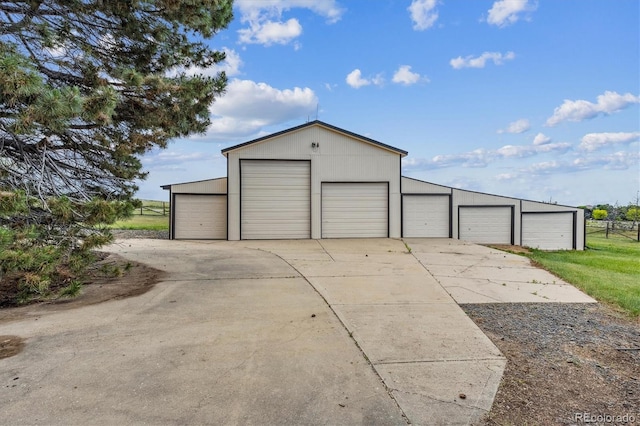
x=486, y=225
x=355, y=210
x=548, y=231
x=425, y=216
x=275, y=199
x=200, y=217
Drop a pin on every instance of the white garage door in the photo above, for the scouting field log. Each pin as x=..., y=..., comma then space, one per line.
x=548, y=231
x=355, y=210
x=486, y=225
x=200, y=217
x=425, y=216
x=275, y=199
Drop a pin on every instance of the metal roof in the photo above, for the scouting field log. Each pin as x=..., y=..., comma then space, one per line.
x=365, y=139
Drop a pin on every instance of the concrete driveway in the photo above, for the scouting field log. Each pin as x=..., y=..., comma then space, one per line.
x=269, y=332
x=471, y=273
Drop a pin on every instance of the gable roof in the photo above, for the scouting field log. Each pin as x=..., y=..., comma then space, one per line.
x=365, y=139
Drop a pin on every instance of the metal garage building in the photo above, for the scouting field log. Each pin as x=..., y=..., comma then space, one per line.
x=320, y=181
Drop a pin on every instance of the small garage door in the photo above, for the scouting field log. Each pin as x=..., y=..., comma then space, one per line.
x=486, y=225
x=548, y=231
x=275, y=199
x=425, y=216
x=200, y=217
x=355, y=210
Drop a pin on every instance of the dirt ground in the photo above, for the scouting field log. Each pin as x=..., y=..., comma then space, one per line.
x=134, y=279
x=565, y=362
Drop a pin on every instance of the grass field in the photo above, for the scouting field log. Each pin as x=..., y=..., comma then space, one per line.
x=155, y=223
x=609, y=270
x=154, y=215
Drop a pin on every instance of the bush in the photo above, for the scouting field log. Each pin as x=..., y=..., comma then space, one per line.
x=633, y=214
x=599, y=214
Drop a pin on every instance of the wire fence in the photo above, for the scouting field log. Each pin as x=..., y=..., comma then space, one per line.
x=614, y=229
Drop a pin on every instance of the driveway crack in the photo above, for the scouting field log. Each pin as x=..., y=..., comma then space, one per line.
x=325, y=250
x=350, y=334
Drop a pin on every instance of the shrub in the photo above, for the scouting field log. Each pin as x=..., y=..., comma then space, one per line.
x=599, y=214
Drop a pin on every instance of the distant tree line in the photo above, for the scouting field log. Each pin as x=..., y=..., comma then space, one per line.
x=610, y=212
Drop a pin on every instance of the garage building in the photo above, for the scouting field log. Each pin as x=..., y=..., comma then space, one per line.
x=319, y=181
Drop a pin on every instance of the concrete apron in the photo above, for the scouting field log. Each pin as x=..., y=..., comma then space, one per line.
x=231, y=336
x=471, y=273
x=437, y=364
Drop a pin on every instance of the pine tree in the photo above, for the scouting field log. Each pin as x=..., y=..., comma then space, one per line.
x=86, y=88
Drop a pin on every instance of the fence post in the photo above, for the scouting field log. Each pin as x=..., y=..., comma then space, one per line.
x=164, y=213
x=140, y=210
x=607, y=233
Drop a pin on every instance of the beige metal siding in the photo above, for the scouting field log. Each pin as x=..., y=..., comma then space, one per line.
x=200, y=217
x=355, y=210
x=536, y=206
x=548, y=231
x=415, y=186
x=275, y=199
x=338, y=157
x=210, y=186
x=486, y=225
x=425, y=216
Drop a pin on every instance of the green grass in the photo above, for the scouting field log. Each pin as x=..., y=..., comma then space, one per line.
x=608, y=270
x=154, y=223
x=151, y=218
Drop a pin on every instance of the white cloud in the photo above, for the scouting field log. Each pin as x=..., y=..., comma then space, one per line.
x=607, y=103
x=271, y=32
x=423, y=14
x=248, y=106
x=521, y=151
x=355, y=79
x=405, y=76
x=541, y=139
x=507, y=176
x=377, y=80
x=616, y=161
x=480, y=61
x=266, y=25
x=545, y=167
x=518, y=126
x=595, y=141
x=173, y=160
x=482, y=157
x=252, y=10
x=476, y=158
x=507, y=12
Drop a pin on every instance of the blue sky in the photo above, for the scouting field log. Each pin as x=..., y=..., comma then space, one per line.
x=532, y=99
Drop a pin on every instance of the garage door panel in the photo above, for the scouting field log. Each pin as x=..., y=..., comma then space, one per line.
x=355, y=210
x=548, y=231
x=426, y=216
x=275, y=199
x=200, y=217
x=486, y=225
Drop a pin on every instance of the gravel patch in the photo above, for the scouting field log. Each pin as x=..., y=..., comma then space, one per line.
x=563, y=361
x=140, y=233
